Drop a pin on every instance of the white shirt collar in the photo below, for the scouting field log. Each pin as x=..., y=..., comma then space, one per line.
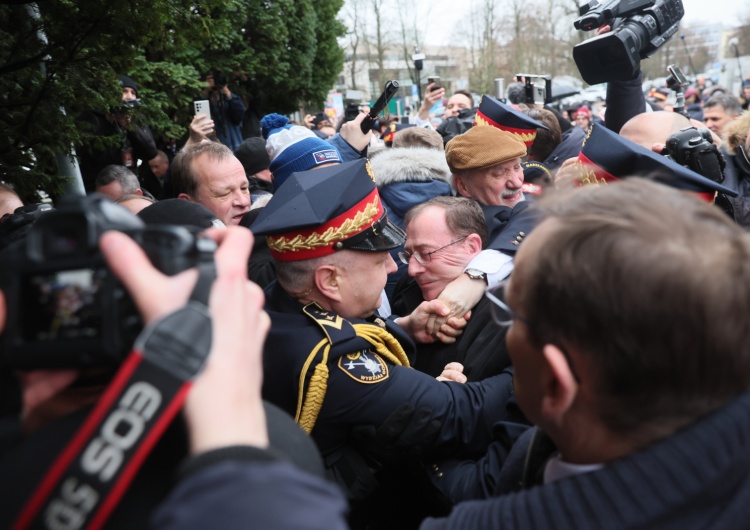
x=557, y=468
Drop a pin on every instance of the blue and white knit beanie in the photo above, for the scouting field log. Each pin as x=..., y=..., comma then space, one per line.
x=293, y=148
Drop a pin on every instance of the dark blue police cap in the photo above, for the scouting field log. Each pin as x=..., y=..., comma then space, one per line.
x=498, y=114
x=606, y=156
x=317, y=212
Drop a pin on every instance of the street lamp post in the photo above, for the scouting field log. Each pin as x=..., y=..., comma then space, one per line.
x=418, y=59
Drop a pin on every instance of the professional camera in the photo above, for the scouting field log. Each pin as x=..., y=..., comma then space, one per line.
x=22, y=216
x=694, y=149
x=220, y=81
x=639, y=28
x=65, y=308
x=14, y=226
x=538, y=93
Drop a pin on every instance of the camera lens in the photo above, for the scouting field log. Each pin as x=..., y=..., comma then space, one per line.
x=68, y=239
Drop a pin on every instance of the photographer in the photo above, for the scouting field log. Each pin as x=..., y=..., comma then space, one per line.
x=227, y=110
x=227, y=429
x=134, y=143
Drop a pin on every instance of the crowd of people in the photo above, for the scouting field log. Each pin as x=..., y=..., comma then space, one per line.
x=515, y=319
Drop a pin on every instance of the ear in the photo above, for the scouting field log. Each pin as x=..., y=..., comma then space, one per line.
x=475, y=243
x=326, y=281
x=458, y=182
x=185, y=197
x=139, y=191
x=561, y=387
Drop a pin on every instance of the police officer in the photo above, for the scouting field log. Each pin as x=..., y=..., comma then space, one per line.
x=327, y=361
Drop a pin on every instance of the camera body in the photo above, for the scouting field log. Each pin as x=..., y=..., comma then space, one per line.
x=220, y=81
x=22, y=216
x=639, y=28
x=65, y=308
x=694, y=149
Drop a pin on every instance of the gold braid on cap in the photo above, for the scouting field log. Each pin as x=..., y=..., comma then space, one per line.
x=587, y=175
x=349, y=227
x=308, y=408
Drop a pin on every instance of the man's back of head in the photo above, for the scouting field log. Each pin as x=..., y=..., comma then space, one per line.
x=649, y=128
x=116, y=181
x=646, y=290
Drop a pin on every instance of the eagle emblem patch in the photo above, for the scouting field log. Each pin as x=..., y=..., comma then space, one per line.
x=364, y=367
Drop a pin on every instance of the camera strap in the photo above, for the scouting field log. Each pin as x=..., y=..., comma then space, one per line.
x=90, y=476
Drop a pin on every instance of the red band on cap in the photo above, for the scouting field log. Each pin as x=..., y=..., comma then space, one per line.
x=598, y=172
x=319, y=241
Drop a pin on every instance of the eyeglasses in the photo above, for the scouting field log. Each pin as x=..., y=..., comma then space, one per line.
x=503, y=315
x=424, y=258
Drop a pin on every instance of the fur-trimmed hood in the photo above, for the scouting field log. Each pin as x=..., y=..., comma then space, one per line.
x=409, y=164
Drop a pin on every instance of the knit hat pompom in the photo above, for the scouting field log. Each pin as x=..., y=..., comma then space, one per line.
x=271, y=122
x=294, y=148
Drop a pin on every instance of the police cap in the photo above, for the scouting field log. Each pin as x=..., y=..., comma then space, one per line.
x=317, y=212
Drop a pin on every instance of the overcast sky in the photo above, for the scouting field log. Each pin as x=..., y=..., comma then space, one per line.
x=727, y=12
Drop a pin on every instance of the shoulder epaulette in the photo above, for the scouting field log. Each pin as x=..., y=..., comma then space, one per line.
x=336, y=329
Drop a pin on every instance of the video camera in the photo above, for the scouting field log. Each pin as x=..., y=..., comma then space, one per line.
x=536, y=93
x=694, y=148
x=639, y=28
x=65, y=308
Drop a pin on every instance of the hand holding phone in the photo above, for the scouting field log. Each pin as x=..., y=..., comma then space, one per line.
x=435, y=81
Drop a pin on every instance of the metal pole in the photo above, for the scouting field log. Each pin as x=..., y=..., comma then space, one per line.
x=67, y=165
x=689, y=57
x=733, y=43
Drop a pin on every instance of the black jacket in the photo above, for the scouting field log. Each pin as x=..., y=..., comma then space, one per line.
x=480, y=348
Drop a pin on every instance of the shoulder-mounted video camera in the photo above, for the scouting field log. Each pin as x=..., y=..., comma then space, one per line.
x=639, y=28
x=65, y=308
x=693, y=148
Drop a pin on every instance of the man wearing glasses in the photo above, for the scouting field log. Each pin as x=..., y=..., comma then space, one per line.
x=443, y=235
x=633, y=367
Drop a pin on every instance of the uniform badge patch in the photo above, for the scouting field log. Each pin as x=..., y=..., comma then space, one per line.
x=364, y=367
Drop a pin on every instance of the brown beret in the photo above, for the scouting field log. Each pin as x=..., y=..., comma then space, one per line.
x=482, y=147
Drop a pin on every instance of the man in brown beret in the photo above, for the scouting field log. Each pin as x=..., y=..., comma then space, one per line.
x=486, y=166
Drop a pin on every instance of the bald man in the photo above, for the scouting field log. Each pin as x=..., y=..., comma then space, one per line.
x=651, y=129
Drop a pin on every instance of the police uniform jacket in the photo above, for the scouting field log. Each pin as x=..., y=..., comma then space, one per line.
x=364, y=387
